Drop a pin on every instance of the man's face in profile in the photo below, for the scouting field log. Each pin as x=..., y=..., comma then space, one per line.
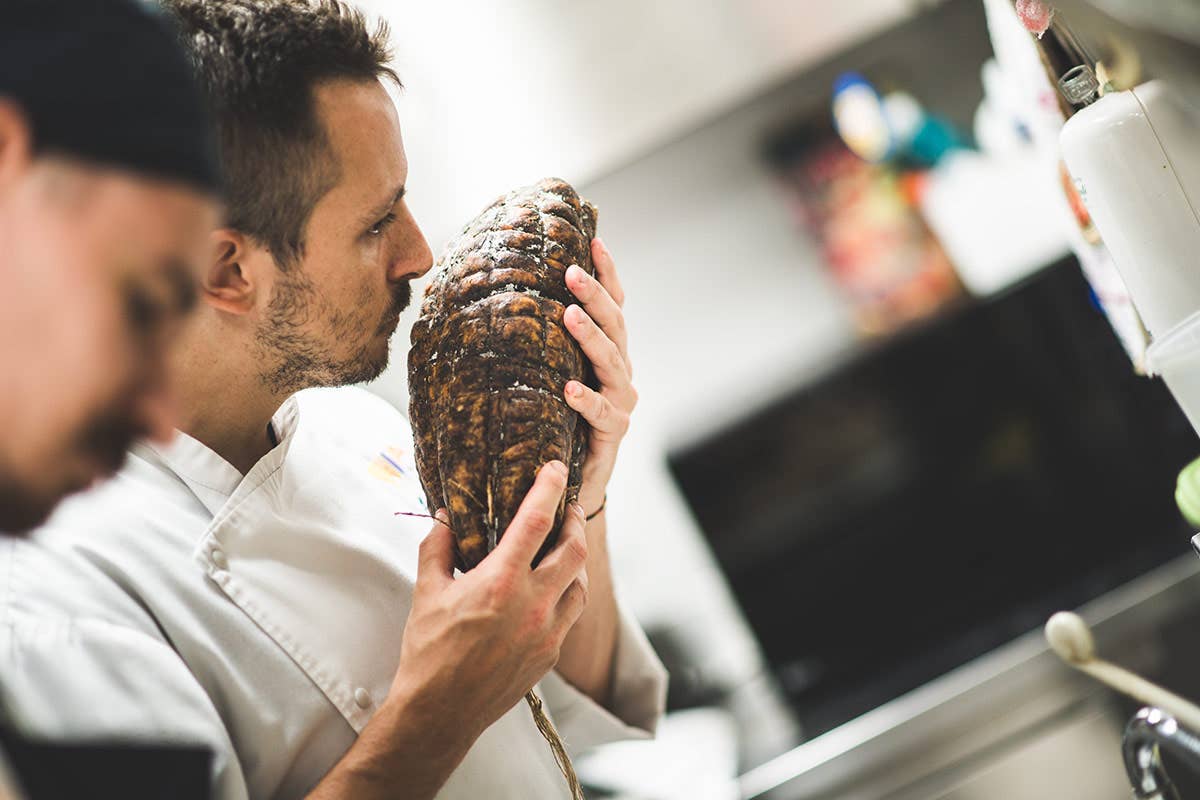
x=332, y=314
x=97, y=275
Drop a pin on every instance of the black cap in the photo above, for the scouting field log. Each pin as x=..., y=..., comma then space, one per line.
x=107, y=81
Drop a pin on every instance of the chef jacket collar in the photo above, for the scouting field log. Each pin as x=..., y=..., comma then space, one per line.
x=209, y=476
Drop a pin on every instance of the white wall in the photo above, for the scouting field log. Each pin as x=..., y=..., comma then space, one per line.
x=502, y=93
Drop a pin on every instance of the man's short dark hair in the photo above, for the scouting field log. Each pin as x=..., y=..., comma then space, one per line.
x=259, y=61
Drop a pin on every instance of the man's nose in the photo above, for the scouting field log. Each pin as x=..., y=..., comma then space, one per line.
x=414, y=258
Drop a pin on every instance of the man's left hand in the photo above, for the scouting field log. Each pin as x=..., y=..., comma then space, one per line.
x=598, y=324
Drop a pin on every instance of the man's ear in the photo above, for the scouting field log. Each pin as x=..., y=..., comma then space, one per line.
x=230, y=281
x=16, y=141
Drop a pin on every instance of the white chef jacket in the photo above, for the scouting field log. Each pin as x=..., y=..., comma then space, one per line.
x=262, y=615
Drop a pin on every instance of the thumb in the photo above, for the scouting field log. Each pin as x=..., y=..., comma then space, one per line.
x=435, y=561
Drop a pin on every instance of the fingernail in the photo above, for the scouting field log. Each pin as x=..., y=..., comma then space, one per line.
x=603, y=246
x=442, y=517
x=574, y=389
x=559, y=467
x=578, y=509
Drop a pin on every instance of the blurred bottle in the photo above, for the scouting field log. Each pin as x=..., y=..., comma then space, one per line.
x=893, y=128
x=1053, y=78
x=1072, y=70
x=1070, y=67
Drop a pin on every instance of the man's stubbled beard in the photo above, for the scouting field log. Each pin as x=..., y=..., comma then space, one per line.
x=19, y=511
x=297, y=359
x=105, y=441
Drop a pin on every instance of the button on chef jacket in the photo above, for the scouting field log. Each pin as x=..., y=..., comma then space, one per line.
x=261, y=615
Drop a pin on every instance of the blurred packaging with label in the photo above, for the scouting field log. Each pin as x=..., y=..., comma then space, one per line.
x=877, y=247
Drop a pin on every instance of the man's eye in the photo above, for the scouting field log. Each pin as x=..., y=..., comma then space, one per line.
x=144, y=311
x=380, y=226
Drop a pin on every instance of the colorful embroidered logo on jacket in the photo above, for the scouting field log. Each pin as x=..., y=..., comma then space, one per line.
x=394, y=465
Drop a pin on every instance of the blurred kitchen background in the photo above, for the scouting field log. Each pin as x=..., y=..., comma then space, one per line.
x=886, y=427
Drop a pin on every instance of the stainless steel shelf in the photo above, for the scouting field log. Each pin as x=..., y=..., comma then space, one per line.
x=986, y=708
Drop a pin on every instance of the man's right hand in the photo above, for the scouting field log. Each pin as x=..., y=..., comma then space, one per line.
x=483, y=640
x=473, y=646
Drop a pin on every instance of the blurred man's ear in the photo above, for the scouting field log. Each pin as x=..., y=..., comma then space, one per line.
x=15, y=141
x=230, y=282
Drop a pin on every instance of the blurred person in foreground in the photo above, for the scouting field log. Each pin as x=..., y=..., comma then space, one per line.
x=108, y=187
x=325, y=644
x=106, y=198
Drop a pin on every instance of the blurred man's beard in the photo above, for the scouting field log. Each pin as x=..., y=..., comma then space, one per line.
x=108, y=437
x=296, y=359
x=104, y=443
x=20, y=511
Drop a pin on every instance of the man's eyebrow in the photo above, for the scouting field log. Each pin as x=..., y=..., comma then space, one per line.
x=378, y=211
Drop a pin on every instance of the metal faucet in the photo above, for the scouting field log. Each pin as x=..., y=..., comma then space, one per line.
x=1149, y=732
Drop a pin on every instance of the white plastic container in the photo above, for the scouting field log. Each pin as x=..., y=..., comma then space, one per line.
x=1176, y=357
x=1134, y=158
x=995, y=217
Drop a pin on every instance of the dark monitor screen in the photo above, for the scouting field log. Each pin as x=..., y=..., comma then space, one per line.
x=945, y=490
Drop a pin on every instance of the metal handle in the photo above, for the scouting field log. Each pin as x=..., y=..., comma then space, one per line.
x=1150, y=731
